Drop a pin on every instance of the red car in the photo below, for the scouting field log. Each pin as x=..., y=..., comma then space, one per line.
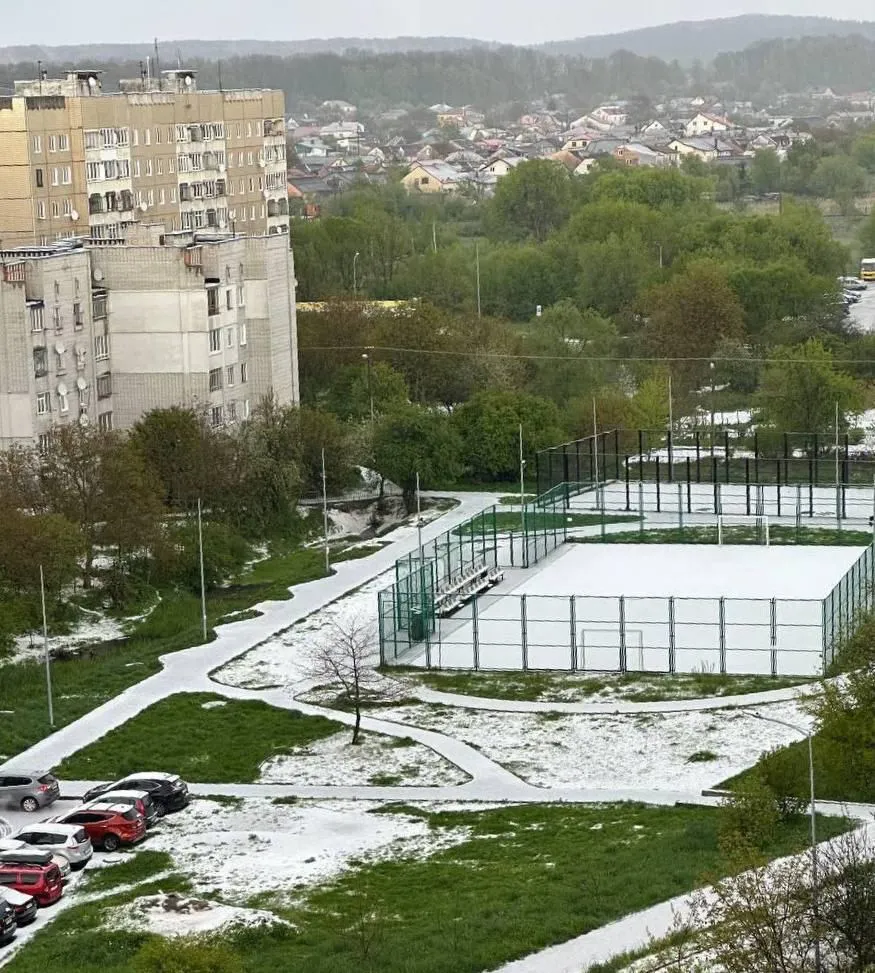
x=41, y=880
x=108, y=825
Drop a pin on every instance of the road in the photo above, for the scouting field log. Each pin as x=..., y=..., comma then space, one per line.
x=862, y=315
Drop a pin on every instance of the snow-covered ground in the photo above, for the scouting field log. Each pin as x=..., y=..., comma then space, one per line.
x=172, y=915
x=375, y=759
x=92, y=628
x=281, y=661
x=259, y=846
x=649, y=751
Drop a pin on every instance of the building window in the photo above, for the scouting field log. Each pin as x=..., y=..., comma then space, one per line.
x=170, y=163
x=40, y=362
x=78, y=323
x=63, y=399
x=137, y=168
x=98, y=305
x=56, y=318
x=230, y=376
x=104, y=421
x=242, y=332
x=39, y=178
x=40, y=209
x=161, y=197
x=148, y=167
x=244, y=372
x=216, y=416
x=229, y=337
x=37, y=144
x=67, y=207
x=215, y=340
x=53, y=143
x=215, y=379
x=93, y=171
x=147, y=136
x=66, y=175
x=172, y=195
x=232, y=412
x=212, y=301
x=159, y=166
x=55, y=176
x=101, y=347
x=229, y=299
x=157, y=135
x=36, y=317
x=63, y=143
x=104, y=385
x=246, y=408
x=43, y=404
x=56, y=209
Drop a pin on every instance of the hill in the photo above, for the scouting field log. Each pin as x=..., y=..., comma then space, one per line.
x=687, y=41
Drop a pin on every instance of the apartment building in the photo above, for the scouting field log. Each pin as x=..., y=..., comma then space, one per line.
x=77, y=161
x=103, y=331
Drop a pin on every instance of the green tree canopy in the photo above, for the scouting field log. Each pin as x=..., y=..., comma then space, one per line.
x=531, y=200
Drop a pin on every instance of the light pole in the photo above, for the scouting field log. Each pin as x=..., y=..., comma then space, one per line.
x=711, y=367
x=354, y=278
x=367, y=359
x=200, y=554
x=814, y=890
x=42, y=591
x=325, y=515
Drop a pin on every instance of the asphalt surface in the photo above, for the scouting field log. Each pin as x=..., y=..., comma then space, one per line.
x=863, y=314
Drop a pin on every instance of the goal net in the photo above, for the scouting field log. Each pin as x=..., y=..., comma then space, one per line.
x=743, y=529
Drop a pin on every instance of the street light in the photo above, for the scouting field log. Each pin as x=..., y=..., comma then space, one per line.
x=814, y=891
x=367, y=359
x=354, y=280
x=711, y=366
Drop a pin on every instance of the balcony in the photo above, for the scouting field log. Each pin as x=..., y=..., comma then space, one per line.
x=14, y=273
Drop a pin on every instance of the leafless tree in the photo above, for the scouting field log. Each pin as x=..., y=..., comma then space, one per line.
x=345, y=658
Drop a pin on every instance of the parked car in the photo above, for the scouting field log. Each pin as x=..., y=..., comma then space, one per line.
x=23, y=905
x=11, y=849
x=851, y=297
x=107, y=825
x=168, y=791
x=141, y=800
x=29, y=790
x=40, y=879
x=8, y=925
x=853, y=283
x=69, y=840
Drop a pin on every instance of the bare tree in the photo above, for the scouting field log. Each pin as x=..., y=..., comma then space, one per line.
x=344, y=659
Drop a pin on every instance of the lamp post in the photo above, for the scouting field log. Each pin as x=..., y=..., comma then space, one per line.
x=47, y=657
x=354, y=278
x=711, y=367
x=367, y=359
x=814, y=890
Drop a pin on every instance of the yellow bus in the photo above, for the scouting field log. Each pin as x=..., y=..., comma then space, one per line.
x=867, y=268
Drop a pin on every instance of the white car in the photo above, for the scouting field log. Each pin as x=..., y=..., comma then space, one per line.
x=853, y=283
x=69, y=840
x=13, y=845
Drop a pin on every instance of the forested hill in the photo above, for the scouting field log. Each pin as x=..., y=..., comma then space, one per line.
x=702, y=40
x=515, y=76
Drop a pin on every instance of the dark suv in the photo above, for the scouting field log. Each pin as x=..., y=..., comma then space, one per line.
x=168, y=791
x=8, y=925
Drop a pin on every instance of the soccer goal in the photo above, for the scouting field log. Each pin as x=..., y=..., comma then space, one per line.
x=757, y=524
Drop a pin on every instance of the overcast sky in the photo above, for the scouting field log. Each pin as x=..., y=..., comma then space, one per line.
x=511, y=21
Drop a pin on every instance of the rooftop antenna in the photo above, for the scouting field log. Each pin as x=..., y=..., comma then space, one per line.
x=219, y=66
x=39, y=75
x=157, y=64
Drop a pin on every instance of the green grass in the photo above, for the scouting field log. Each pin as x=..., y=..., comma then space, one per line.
x=543, y=520
x=137, y=867
x=513, y=499
x=525, y=878
x=778, y=534
x=222, y=745
x=103, y=671
x=637, y=687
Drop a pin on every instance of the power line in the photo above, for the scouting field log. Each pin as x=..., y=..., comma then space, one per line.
x=661, y=359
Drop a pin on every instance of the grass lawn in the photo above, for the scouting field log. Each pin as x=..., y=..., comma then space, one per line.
x=80, y=684
x=778, y=534
x=526, y=877
x=543, y=520
x=636, y=687
x=513, y=499
x=219, y=745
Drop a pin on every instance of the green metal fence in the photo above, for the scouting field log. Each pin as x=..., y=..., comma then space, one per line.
x=847, y=603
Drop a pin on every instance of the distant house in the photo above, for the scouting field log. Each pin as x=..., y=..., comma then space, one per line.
x=578, y=139
x=342, y=130
x=636, y=154
x=654, y=130
x=501, y=165
x=432, y=177
x=706, y=149
x=705, y=124
x=336, y=105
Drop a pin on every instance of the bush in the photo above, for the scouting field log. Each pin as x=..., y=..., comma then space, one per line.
x=783, y=772
x=751, y=815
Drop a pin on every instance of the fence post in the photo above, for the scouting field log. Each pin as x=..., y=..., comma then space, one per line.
x=773, y=634
x=778, y=462
x=747, y=486
x=670, y=460
x=681, y=506
x=524, y=640
x=626, y=464
x=823, y=648
x=640, y=454
x=698, y=457
x=622, y=607
x=689, y=489
x=572, y=618
x=475, y=624
x=798, y=507
x=617, y=454
x=721, y=615
x=756, y=457
x=715, y=486
x=726, y=451
x=640, y=507
x=672, y=666
x=658, y=506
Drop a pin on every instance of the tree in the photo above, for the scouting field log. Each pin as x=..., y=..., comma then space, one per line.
x=801, y=387
x=765, y=172
x=30, y=541
x=174, y=443
x=488, y=424
x=355, y=387
x=531, y=200
x=344, y=659
x=689, y=314
x=838, y=177
x=415, y=440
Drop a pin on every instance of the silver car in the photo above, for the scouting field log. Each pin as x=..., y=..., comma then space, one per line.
x=29, y=790
x=69, y=840
x=13, y=850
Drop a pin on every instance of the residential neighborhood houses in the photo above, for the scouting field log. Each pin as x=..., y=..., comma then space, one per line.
x=458, y=149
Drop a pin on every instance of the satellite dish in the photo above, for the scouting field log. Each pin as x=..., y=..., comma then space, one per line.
x=81, y=384
x=188, y=81
x=92, y=81
x=143, y=207
x=59, y=348
x=83, y=419
x=62, y=389
x=74, y=215
x=222, y=224
x=97, y=274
